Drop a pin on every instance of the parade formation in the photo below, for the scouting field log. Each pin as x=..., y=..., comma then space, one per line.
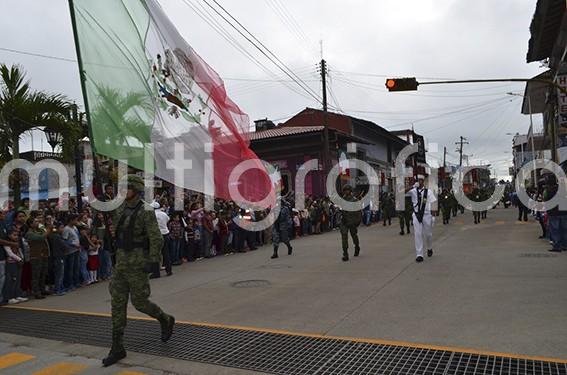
x=249, y=240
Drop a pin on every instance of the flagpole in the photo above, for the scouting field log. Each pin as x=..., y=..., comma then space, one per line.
x=84, y=91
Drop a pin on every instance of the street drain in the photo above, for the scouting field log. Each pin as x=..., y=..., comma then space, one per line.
x=270, y=352
x=251, y=284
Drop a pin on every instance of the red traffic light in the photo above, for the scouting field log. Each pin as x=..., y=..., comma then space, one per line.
x=402, y=84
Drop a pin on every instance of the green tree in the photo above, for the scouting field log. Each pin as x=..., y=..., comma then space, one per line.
x=23, y=110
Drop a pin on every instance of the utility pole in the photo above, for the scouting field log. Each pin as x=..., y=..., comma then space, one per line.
x=325, y=123
x=460, y=149
x=444, y=156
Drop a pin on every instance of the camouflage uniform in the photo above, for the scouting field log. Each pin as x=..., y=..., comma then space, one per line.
x=280, y=230
x=405, y=216
x=387, y=208
x=445, y=203
x=454, y=203
x=137, y=247
x=476, y=196
x=485, y=196
x=349, y=223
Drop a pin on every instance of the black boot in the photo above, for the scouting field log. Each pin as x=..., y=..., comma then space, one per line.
x=345, y=256
x=402, y=233
x=114, y=356
x=275, y=255
x=356, y=251
x=167, y=328
x=289, y=250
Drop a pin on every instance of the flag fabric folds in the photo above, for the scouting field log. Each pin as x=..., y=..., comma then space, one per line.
x=149, y=91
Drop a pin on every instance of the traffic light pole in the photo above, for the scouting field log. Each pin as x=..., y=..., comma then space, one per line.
x=560, y=88
x=412, y=86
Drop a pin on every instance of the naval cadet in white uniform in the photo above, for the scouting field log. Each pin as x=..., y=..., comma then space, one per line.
x=423, y=218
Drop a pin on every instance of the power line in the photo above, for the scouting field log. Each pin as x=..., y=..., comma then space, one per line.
x=367, y=86
x=37, y=55
x=264, y=50
x=288, y=21
x=387, y=75
x=206, y=16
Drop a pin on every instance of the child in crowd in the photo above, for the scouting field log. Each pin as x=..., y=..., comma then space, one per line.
x=14, y=265
x=93, y=262
x=190, y=234
x=197, y=239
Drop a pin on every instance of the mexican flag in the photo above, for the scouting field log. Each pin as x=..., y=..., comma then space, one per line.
x=149, y=91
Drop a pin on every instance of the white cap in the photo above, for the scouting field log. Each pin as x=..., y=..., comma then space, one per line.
x=155, y=205
x=420, y=177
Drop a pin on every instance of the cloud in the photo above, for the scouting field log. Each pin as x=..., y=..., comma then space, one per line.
x=426, y=38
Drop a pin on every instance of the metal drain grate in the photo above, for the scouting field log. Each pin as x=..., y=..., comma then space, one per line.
x=275, y=353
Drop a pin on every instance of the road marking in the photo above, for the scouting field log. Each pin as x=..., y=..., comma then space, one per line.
x=130, y=373
x=521, y=223
x=500, y=222
x=62, y=368
x=314, y=335
x=13, y=359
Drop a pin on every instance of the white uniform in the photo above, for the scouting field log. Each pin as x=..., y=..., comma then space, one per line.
x=425, y=228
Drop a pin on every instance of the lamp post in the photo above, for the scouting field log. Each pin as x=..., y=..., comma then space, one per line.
x=54, y=138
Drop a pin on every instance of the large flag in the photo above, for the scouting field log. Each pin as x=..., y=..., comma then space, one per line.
x=148, y=90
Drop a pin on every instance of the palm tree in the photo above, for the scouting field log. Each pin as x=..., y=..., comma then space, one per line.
x=23, y=110
x=119, y=115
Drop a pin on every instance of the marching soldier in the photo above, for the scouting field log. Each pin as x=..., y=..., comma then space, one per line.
x=280, y=229
x=484, y=195
x=138, y=245
x=454, y=203
x=445, y=203
x=387, y=208
x=476, y=196
x=405, y=215
x=423, y=218
x=349, y=223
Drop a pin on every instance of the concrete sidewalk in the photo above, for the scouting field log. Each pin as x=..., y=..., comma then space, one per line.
x=490, y=287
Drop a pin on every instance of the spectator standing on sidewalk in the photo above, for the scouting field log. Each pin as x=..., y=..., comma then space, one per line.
x=72, y=260
x=176, y=238
x=14, y=264
x=57, y=247
x=4, y=241
x=39, y=255
x=163, y=220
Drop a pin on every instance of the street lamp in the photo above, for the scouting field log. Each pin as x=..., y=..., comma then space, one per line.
x=54, y=138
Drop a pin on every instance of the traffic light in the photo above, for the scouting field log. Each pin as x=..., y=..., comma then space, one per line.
x=402, y=84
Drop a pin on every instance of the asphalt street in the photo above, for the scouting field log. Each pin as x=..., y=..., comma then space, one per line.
x=491, y=287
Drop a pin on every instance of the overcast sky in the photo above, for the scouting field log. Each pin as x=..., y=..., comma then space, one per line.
x=363, y=41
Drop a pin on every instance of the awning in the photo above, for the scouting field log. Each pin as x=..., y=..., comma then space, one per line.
x=537, y=92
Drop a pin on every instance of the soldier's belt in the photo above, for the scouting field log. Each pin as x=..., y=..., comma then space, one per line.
x=132, y=245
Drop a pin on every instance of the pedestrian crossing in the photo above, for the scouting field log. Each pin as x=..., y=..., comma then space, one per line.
x=22, y=363
x=13, y=359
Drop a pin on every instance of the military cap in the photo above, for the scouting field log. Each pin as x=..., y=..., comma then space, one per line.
x=135, y=182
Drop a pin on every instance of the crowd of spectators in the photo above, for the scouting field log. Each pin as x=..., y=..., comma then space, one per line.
x=48, y=251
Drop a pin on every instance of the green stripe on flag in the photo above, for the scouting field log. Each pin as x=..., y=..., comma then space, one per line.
x=111, y=36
